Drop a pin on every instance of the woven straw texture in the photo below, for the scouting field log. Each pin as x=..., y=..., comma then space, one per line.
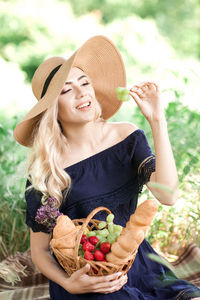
x=74, y=262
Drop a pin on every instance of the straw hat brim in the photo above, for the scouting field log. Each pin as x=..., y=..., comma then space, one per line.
x=101, y=61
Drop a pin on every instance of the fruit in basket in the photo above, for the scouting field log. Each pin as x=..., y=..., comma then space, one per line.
x=88, y=246
x=111, y=238
x=88, y=255
x=83, y=239
x=133, y=234
x=101, y=239
x=91, y=233
x=105, y=247
x=110, y=218
x=104, y=232
x=86, y=232
x=102, y=250
x=99, y=255
x=93, y=240
x=102, y=225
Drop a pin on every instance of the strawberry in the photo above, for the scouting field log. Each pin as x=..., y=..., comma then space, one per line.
x=93, y=240
x=99, y=255
x=83, y=239
x=95, y=271
x=105, y=247
x=88, y=255
x=88, y=246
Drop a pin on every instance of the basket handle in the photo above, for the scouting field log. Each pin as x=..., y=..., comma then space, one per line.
x=85, y=223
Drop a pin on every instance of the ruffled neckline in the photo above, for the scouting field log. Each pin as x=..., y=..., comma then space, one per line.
x=101, y=153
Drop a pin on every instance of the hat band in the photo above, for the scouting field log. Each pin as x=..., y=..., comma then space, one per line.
x=48, y=80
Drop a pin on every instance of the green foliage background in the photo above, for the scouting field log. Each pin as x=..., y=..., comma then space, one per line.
x=158, y=40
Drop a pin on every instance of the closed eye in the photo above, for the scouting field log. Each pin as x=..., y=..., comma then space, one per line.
x=83, y=84
x=86, y=83
x=64, y=92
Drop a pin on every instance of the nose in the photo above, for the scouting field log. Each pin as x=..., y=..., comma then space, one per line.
x=78, y=91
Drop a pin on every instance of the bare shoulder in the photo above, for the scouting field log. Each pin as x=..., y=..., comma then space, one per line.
x=124, y=129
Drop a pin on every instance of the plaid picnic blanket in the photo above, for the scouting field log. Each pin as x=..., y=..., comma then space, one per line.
x=21, y=280
x=187, y=266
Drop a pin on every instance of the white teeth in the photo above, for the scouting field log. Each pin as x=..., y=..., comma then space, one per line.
x=85, y=104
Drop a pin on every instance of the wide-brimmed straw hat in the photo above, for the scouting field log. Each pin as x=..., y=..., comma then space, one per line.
x=99, y=58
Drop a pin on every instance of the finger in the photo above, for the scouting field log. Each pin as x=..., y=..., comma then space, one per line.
x=136, y=97
x=152, y=84
x=116, y=288
x=135, y=88
x=139, y=91
x=106, y=284
x=145, y=85
x=83, y=270
x=113, y=276
x=111, y=285
x=141, y=84
x=156, y=87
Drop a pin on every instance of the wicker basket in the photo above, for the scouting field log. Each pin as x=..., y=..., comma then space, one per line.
x=76, y=262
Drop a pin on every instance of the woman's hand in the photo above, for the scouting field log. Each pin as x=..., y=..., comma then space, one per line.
x=148, y=98
x=80, y=283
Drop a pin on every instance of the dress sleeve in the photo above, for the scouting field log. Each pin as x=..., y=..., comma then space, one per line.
x=33, y=202
x=143, y=159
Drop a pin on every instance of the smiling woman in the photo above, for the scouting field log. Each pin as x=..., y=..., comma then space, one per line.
x=77, y=95
x=80, y=161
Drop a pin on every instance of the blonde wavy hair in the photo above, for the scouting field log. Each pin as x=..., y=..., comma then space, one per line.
x=44, y=167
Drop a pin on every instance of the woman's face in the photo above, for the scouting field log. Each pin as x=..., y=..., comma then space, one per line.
x=77, y=102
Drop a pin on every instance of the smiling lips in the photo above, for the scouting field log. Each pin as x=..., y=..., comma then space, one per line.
x=84, y=105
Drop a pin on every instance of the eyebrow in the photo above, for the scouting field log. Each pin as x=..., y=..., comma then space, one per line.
x=82, y=76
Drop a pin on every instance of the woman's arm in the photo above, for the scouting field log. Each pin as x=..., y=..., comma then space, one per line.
x=42, y=258
x=79, y=282
x=148, y=98
x=166, y=173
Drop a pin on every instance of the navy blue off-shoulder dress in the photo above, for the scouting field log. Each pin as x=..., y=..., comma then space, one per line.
x=113, y=178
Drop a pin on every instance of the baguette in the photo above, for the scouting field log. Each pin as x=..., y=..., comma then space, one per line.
x=120, y=252
x=111, y=257
x=133, y=238
x=133, y=234
x=144, y=213
x=131, y=226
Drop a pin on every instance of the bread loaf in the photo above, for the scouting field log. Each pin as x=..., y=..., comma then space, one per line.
x=67, y=241
x=130, y=240
x=111, y=257
x=67, y=252
x=131, y=226
x=144, y=213
x=133, y=234
x=64, y=235
x=64, y=225
x=118, y=251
